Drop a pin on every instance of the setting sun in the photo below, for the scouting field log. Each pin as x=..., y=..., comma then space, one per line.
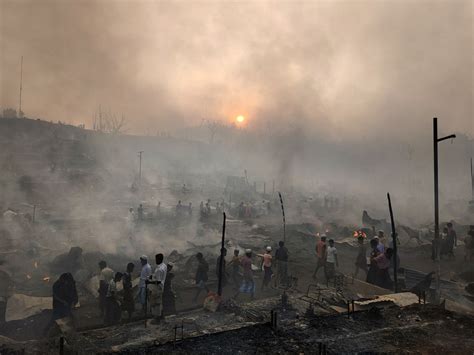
x=240, y=119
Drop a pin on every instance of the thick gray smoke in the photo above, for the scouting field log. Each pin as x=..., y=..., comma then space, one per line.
x=348, y=70
x=338, y=96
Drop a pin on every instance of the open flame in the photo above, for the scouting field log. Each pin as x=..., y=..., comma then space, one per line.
x=358, y=234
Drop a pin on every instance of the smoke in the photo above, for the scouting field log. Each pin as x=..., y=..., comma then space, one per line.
x=344, y=70
x=338, y=96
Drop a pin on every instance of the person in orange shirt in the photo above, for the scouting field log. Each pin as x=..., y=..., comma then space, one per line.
x=321, y=254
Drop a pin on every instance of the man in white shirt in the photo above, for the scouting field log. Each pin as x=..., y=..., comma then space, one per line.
x=105, y=276
x=144, y=275
x=331, y=261
x=113, y=311
x=156, y=286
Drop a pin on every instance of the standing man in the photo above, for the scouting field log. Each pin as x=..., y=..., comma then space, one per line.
x=130, y=223
x=321, y=253
x=105, y=276
x=113, y=313
x=157, y=287
x=267, y=267
x=331, y=261
x=179, y=208
x=248, y=284
x=451, y=239
x=140, y=212
x=145, y=274
x=64, y=296
x=235, y=262
x=128, y=301
x=201, y=275
x=281, y=257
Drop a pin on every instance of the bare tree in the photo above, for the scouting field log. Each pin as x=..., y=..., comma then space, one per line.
x=108, y=122
x=213, y=126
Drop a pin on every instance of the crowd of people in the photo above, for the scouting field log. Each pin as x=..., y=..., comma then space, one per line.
x=376, y=268
x=117, y=298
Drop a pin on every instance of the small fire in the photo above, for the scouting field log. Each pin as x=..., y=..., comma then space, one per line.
x=46, y=279
x=358, y=234
x=36, y=264
x=28, y=276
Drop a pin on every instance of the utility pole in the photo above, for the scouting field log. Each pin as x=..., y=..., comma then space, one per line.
x=140, y=167
x=436, y=140
x=20, y=114
x=472, y=182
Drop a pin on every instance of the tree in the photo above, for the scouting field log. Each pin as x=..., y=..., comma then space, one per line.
x=213, y=126
x=108, y=122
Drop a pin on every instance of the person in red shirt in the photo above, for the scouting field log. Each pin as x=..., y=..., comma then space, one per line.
x=383, y=265
x=267, y=267
x=248, y=283
x=321, y=254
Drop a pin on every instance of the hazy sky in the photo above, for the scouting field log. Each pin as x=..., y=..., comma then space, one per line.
x=339, y=68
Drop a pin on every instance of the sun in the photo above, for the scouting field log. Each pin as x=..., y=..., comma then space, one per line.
x=240, y=119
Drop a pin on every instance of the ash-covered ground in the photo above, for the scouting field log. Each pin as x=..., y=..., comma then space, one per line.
x=66, y=206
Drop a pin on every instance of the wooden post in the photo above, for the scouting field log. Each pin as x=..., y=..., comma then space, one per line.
x=61, y=346
x=221, y=261
x=284, y=220
x=395, y=248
